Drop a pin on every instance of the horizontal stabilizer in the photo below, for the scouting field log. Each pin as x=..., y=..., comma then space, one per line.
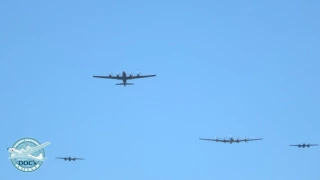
x=125, y=84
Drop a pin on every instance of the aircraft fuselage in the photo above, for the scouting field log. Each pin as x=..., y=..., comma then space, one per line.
x=124, y=78
x=69, y=159
x=304, y=145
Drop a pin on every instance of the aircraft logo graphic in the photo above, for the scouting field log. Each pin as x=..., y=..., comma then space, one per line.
x=27, y=154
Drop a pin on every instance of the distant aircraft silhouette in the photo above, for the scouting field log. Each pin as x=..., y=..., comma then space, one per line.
x=231, y=140
x=69, y=158
x=304, y=145
x=124, y=77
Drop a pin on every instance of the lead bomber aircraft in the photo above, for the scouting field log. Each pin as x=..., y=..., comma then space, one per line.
x=124, y=77
x=231, y=140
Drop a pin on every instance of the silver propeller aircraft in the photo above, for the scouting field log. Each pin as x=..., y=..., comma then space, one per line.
x=231, y=140
x=124, y=77
x=69, y=158
x=304, y=145
x=27, y=153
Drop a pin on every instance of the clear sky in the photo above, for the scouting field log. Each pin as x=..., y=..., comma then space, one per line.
x=239, y=68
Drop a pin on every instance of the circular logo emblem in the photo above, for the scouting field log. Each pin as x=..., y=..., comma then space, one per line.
x=27, y=154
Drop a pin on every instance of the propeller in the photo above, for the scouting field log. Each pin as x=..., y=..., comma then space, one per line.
x=130, y=74
x=110, y=74
x=225, y=140
x=245, y=139
x=231, y=138
x=238, y=140
x=117, y=74
x=138, y=73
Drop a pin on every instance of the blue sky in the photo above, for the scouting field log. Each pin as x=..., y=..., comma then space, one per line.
x=239, y=68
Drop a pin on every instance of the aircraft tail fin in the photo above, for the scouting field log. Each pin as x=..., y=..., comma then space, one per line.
x=40, y=157
x=125, y=84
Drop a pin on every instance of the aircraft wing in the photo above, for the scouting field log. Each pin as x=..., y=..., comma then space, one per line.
x=36, y=158
x=295, y=145
x=313, y=144
x=37, y=148
x=78, y=158
x=108, y=77
x=137, y=77
x=217, y=140
x=27, y=156
x=252, y=139
x=61, y=158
